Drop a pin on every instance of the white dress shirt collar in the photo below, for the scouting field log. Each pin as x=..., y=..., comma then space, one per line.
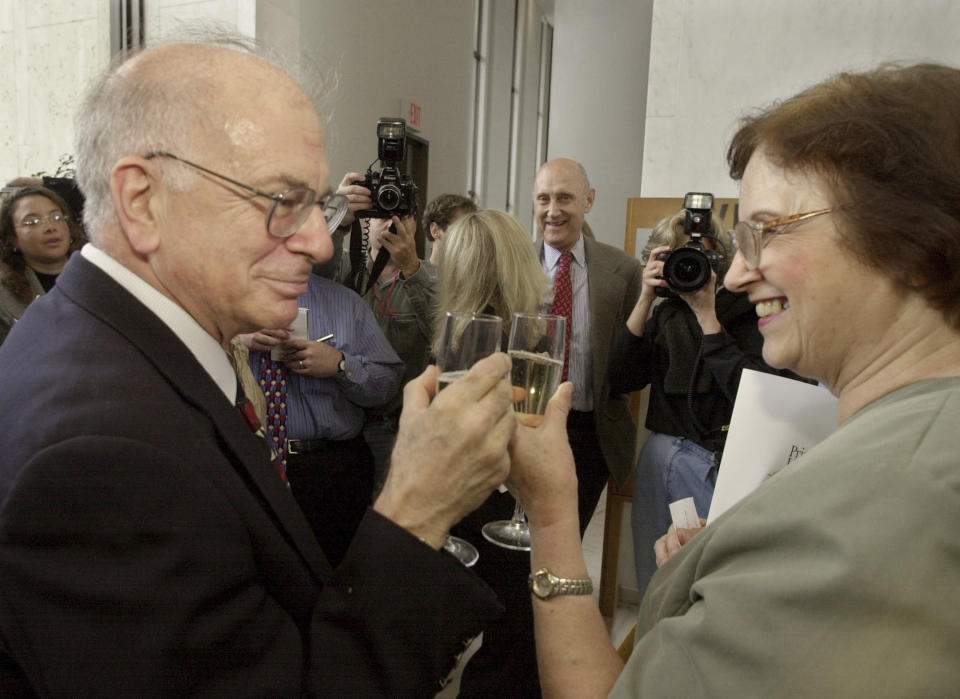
x=201, y=344
x=551, y=256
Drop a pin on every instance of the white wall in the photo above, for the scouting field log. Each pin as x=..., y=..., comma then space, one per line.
x=712, y=61
x=388, y=52
x=598, y=97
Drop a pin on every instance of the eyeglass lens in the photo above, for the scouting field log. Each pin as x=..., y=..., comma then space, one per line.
x=37, y=220
x=290, y=211
x=334, y=209
x=744, y=237
x=293, y=208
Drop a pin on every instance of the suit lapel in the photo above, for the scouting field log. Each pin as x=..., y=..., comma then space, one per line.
x=100, y=295
x=606, y=297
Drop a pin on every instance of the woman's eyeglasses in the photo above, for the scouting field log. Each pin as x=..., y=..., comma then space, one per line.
x=751, y=236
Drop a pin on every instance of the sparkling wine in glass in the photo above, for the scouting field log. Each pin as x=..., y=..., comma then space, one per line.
x=536, y=351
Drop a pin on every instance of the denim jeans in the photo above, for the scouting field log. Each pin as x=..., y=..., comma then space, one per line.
x=669, y=469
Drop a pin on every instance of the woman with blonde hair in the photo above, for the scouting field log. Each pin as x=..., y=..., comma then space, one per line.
x=489, y=265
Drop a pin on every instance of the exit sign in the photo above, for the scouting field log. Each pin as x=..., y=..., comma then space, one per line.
x=413, y=113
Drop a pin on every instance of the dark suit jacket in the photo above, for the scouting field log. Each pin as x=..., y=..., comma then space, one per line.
x=613, y=281
x=147, y=547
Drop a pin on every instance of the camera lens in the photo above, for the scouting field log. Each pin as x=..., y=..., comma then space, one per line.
x=686, y=270
x=388, y=197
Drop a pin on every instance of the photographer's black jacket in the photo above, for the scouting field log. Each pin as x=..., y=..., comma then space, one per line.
x=672, y=349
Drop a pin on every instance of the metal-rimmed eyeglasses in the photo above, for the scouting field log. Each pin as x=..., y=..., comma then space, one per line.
x=38, y=220
x=750, y=237
x=289, y=209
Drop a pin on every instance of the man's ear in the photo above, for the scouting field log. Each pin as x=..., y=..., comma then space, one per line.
x=591, y=195
x=436, y=232
x=135, y=186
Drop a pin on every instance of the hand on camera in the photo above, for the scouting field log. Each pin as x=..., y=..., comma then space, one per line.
x=357, y=194
x=402, y=246
x=653, y=274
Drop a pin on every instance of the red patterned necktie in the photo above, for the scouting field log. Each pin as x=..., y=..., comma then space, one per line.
x=273, y=383
x=249, y=414
x=563, y=304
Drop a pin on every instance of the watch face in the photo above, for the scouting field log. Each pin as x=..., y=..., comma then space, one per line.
x=542, y=585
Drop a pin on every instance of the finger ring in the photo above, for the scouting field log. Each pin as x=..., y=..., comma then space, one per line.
x=301, y=364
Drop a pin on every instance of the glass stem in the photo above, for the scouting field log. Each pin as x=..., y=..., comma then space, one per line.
x=518, y=516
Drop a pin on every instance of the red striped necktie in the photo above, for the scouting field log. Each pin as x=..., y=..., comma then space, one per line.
x=563, y=304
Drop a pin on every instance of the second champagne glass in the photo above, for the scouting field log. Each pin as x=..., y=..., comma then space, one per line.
x=465, y=339
x=536, y=350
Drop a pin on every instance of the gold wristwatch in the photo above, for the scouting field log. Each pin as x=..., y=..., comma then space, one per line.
x=546, y=585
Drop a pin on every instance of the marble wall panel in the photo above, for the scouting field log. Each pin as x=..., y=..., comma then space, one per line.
x=9, y=121
x=711, y=62
x=62, y=57
x=40, y=13
x=6, y=19
x=665, y=57
x=53, y=49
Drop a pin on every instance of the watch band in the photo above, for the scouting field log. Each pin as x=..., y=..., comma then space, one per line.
x=546, y=585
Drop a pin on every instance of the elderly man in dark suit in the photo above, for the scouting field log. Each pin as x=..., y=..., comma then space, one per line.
x=604, y=283
x=147, y=545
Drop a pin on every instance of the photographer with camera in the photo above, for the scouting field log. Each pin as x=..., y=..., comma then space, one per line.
x=691, y=352
x=382, y=266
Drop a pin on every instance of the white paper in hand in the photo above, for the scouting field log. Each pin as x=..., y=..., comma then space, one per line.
x=301, y=331
x=684, y=514
x=775, y=420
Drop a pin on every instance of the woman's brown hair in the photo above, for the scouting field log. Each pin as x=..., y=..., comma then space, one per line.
x=887, y=144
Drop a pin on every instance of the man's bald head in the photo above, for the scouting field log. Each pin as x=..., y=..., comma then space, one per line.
x=562, y=196
x=571, y=168
x=179, y=97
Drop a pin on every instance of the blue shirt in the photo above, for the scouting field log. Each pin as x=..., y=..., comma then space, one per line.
x=333, y=407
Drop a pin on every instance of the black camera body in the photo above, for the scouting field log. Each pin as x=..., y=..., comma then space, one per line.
x=689, y=268
x=393, y=193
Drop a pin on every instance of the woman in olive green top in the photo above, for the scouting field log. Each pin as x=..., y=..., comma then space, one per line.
x=838, y=576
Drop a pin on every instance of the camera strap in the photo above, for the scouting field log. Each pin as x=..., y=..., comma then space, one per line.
x=383, y=256
x=358, y=252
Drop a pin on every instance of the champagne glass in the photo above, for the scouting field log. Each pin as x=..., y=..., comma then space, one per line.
x=536, y=349
x=465, y=339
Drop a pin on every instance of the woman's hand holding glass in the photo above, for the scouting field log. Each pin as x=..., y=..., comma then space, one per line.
x=537, y=347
